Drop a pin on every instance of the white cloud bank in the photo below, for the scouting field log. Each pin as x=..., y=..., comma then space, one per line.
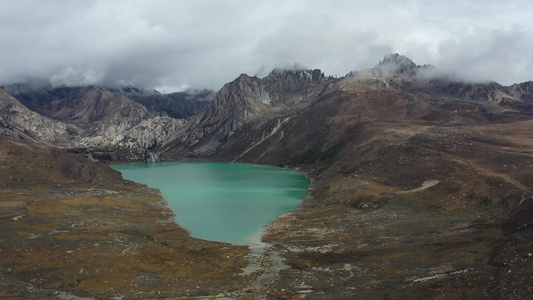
x=162, y=43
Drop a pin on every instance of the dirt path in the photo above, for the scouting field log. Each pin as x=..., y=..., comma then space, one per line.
x=264, y=266
x=425, y=185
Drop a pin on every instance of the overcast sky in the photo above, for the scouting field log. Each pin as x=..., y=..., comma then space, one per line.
x=203, y=44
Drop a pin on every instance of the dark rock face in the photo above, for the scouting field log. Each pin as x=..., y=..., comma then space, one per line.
x=397, y=64
x=489, y=92
x=523, y=90
x=181, y=105
x=249, y=101
x=37, y=97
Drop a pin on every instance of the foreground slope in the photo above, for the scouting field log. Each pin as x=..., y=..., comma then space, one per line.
x=74, y=229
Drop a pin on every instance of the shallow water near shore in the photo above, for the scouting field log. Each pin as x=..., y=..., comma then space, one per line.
x=226, y=202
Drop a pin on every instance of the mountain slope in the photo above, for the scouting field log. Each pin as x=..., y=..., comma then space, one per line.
x=19, y=122
x=107, y=126
x=249, y=101
x=416, y=182
x=95, y=111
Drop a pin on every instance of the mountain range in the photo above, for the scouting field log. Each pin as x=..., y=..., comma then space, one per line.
x=421, y=184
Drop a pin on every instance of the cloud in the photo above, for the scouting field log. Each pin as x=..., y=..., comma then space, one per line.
x=316, y=41
x=204, y=44
x=484, y=55
x=73, y=77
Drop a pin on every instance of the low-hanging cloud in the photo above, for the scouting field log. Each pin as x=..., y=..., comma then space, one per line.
x=204, y=44
x=485, y=55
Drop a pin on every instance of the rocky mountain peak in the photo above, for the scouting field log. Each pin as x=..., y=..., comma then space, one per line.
x=300, y=76
x=396, y=64
x=243, y=81
x=397, y=71
x=251, y=100
x=243, y=92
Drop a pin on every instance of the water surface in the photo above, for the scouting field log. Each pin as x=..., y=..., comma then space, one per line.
x=227, y=202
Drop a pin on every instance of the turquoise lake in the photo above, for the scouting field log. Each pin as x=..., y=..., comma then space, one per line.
x=226, y=202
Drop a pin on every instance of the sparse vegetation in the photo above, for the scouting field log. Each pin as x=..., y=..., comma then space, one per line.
x=420, y=189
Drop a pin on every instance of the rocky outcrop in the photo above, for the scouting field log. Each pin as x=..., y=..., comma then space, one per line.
x=151, y=133
x=491, y=92
x=396, y=64
x=92, y=110
x=142, y=142
x=19, y=122
x=98, y=121
x=95, y=111
x=523, y=90
x=394, y=71
x=249, y=101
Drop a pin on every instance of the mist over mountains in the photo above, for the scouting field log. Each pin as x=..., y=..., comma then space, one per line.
x=127, y=117
x=157, y=44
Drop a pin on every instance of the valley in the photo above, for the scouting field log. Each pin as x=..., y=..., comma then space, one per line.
x=422, y=188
